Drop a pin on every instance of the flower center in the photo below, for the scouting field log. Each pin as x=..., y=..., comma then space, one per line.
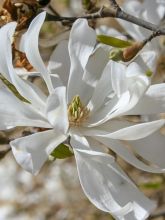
x=77, y=112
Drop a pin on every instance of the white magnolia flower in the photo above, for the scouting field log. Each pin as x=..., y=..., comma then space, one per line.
x=85, y=103
x=152, y=11
x=149, y=10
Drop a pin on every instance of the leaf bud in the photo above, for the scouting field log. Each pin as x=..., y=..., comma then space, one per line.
x=130, y=52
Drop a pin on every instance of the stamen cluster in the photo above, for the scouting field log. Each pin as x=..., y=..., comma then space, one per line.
x=77, y=113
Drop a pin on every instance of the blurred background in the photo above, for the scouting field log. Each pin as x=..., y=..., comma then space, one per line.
x=55, y=193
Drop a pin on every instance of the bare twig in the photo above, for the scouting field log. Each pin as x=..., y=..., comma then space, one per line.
x=53, y=11
x=103, y=12
x=115, y=13
x=152, y=36
x=114, y=4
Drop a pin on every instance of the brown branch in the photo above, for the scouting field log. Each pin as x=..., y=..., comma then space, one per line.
x=111, y=12
x=138, y=21
x=114, y=4
x=53, y=11
x=152, y=36
x=102, y=13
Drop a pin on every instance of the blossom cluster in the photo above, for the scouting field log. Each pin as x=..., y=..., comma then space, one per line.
x=89, y=104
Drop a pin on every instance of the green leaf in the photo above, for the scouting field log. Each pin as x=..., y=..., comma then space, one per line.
x=13, y=89
x=151, y=185
x=61, y=152
x=112, y=41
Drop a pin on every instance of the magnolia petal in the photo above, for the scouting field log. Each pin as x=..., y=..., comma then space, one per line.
x=136, y=69
x=151, y=148
x=29, y=44
x=108, y=187
x=149, y=58
x=115, y=107
x=102, y=89
x=105, y=128
x=132, y=7
x=59, y=62
x=161, y=10
x=137, y=84
x=81, y=43
x=100, y=116
x=26, y=89
x=134, y=132
x=32, y=151
x=14, y=112
x=151, y=14
x=80, y=46
x=56, y=81
x=30, y=91
x=57, y=110
x=137, y=131
x=93, y=69
x=24, y=74
x=153, y=102
x=118, y=78
x=6, y=34
x=128, y=155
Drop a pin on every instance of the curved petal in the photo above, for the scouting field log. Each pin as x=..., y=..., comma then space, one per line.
x=6, y=34
x=82, y=41
x=133, y=7
x=151, y=14
x=121, y=149
x=14, y=112
x=108, y=187
x=57, y=110
x=100, y=116
x=32, y=151
x=59, y=62
x=137, y=69
x=26, y=89
x=56, y=81
x=118, y=78
x=102, y=89
x=137, y=84
x=95, y=66
x=149, y=57
x=153, y=102
x=29, y=45
x=106, y=128
x=81, y=44
x=137, y=131
x=30, y=91
x=151, y=148
x=134, y=132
